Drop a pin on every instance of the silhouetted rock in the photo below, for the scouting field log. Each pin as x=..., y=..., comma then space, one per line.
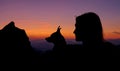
x=14, y=36
x=15, y=46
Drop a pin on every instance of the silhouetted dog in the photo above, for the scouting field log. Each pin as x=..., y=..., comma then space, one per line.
x=57, y=39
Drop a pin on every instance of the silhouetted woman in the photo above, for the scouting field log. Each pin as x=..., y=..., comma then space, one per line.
x=88, y=29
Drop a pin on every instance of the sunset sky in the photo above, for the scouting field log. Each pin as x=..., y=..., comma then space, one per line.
x=40, y=18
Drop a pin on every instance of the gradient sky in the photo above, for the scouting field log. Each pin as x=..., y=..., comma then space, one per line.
x=40, y=18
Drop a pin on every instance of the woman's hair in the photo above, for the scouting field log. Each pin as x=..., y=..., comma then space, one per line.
x=91, y=25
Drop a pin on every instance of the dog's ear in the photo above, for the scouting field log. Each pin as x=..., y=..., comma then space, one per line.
x=58, y=29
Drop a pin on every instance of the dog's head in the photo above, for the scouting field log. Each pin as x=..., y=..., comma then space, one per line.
x=56, y=37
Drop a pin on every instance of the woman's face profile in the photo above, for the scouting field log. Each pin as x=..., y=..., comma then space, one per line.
x=88, y=27
x=78, y=32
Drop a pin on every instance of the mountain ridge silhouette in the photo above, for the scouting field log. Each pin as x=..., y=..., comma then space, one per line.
x=15, y=45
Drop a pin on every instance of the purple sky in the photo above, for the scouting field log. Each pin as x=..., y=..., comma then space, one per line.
x=40, y=15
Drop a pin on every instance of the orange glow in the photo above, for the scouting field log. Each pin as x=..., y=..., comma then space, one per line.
x=41, y=18
x=110, y=35
x=42, y=29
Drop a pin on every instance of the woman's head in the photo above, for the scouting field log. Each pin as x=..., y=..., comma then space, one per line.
x=88, y=27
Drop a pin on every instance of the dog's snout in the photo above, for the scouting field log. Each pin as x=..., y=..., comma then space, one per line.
x=48, y=39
